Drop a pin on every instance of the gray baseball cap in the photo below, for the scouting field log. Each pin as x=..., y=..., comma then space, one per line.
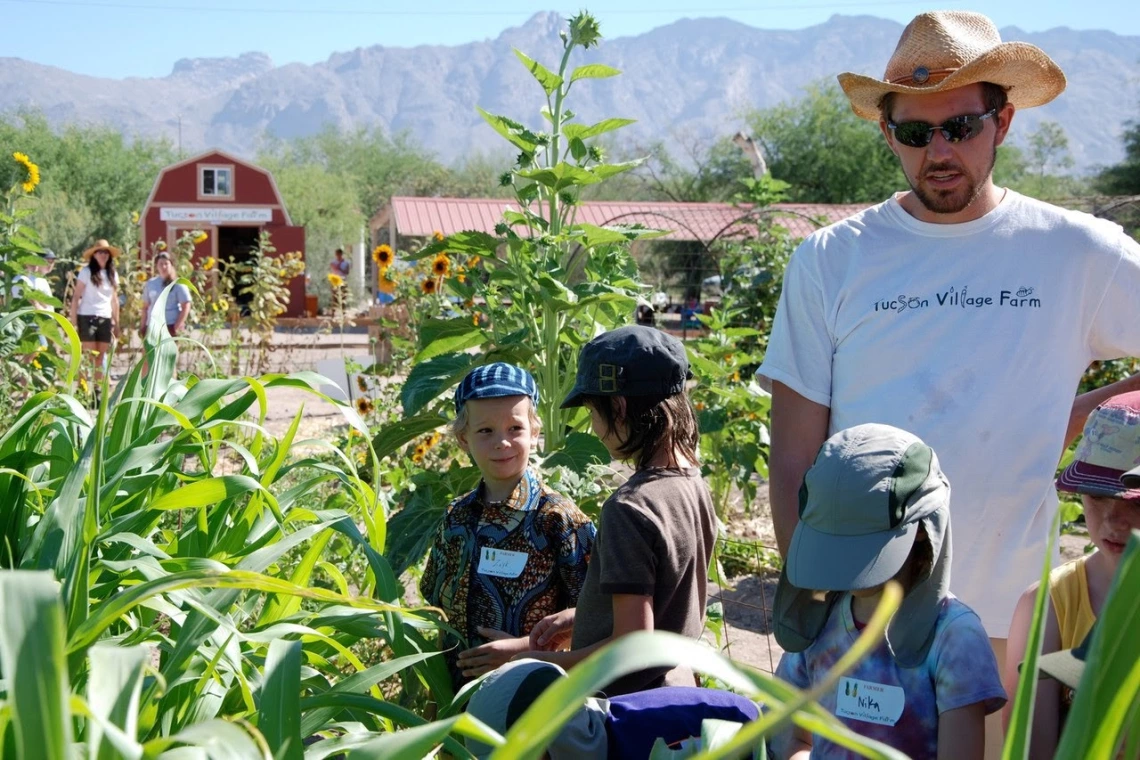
x=1131, y=479
x=861, y=505
x=630, y=361
x=506, y=694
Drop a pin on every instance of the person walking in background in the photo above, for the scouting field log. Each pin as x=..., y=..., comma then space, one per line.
x=177, y=309
x=958, y=310
x=95, y=305
x=27, y=286
x=340, y=265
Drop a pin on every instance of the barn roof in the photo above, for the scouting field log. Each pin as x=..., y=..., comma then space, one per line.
x=215, y=155
x=704, y=222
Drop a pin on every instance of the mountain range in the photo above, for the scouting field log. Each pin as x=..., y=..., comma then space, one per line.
x=690, y=79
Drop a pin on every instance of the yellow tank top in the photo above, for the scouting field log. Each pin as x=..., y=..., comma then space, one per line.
x=1069, y=593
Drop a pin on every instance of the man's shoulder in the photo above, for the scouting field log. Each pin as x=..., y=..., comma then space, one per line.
x=1031, y=214
x=850, y=230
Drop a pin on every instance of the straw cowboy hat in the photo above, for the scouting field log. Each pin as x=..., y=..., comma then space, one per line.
x=101, y=245
x=944, y=50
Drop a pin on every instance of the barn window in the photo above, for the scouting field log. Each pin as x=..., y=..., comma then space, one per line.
x=217, y=182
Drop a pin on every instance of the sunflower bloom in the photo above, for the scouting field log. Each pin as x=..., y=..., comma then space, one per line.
x=33, y=172
x=428, y=286
x=36, y=364
x=418, y=454
x=223, y=305
x=134, y=217
x=473, y=262
x=160, y=246
x=361, y=384
x=700, y=406
x=475, y=319
x=736, y=376
x=140, y=276
x=362, y=457
x=335, y=280
x=382, y=255
x=438, y=236
x=436, y=437
x=83, y=385
x=364, y=406
x=441, y=265
x=200, y=237
x=209, y=264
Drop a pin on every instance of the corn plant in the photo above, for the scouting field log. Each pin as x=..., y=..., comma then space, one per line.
x=145, y=546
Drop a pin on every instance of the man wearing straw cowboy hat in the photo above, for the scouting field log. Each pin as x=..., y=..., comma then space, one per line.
x=960, y=311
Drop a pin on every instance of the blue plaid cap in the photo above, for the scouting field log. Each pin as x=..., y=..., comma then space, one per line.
x=495, y=381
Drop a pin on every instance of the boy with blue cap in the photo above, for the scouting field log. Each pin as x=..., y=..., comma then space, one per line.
x=512, y=551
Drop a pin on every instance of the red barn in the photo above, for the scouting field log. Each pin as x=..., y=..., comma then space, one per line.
x=231, y=200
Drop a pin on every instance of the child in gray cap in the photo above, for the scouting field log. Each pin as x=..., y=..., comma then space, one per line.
x=621, y=728
x=875, y=507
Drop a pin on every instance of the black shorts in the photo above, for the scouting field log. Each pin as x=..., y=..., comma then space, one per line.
x=94, y=329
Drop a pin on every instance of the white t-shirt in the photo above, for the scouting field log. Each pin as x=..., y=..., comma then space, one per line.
x=974, y=337
x=96, y=301
x=37, y=283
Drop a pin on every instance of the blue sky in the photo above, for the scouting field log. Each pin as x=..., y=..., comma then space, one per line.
x=120, y=38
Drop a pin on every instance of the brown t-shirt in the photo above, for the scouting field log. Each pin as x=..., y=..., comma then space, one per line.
x=655, y=538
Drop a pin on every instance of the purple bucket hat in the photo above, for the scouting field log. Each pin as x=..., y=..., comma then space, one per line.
x=1109, y=450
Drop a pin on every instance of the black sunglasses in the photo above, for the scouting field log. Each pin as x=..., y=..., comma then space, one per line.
x=918, y=134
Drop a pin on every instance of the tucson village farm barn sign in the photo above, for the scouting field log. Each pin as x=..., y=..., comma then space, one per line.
x=216, y=214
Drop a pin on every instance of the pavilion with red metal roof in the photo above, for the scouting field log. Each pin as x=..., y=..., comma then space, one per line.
x=706, y=223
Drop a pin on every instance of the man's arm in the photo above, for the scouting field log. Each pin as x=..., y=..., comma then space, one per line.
x=1084, y=404
x=799, y=428
x=962, y=732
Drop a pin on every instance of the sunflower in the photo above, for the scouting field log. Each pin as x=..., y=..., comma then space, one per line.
x=461, y=278
x=208, y=264
x=473, y=262
x=134, y=217
x=33, y=178
x=428, y=286
x=362, y=457
x=362, y=384
x=418, y=454
x=438, y=236
x=736, y=376
x=436, y=437
x=160, y=246
x=140, y=276
x=700, y=406
x=200, y=237
x=364, y=406
x=223, y=305
x=382, y=255
x=335, y=280
x=83, y=385
x=441, y=265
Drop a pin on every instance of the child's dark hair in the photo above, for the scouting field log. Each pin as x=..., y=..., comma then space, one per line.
x=654, y=424
x=918, y=563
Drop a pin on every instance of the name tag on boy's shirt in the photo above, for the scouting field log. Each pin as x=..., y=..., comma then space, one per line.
x=869, y=702
x=501, y=563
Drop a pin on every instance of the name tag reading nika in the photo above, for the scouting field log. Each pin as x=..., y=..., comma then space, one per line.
x=869, y=702
x=501, y=563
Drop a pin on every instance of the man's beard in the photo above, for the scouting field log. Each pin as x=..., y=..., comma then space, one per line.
x=951, y=201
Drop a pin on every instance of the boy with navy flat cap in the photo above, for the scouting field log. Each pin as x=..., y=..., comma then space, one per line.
x=512, y=551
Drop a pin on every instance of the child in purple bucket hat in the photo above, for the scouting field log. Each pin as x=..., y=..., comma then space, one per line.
x=1105, y=473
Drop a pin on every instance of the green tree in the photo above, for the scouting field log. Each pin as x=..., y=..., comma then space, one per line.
x=700, y=172
x=1124, y=177
x=824, y=151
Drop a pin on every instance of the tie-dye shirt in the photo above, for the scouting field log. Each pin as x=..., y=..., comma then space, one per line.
x=894, y=705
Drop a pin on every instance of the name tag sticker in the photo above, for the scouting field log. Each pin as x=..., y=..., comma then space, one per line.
x=501, y=563
x=869, y=702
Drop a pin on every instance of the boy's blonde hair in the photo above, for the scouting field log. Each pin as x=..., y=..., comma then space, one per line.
x=459, y=424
